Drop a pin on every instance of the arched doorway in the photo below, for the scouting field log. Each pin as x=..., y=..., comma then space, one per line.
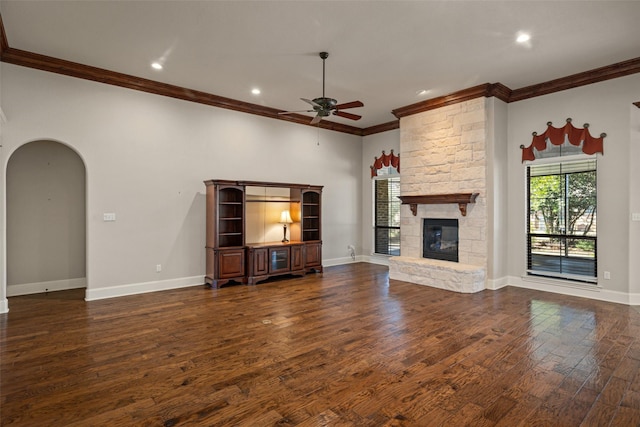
x=46, y=219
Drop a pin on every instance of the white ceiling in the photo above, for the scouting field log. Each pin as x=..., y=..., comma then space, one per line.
x=380, y=52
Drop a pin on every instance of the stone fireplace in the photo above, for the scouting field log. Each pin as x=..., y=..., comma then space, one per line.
x=444, y=177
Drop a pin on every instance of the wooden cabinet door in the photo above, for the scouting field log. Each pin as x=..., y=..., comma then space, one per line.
x=279, y=260
x=297, y=260
x=260, y=262
x=230, y=263
x=313, y=254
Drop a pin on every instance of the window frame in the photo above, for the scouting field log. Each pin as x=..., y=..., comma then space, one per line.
x=576, y=278
x=375, y=226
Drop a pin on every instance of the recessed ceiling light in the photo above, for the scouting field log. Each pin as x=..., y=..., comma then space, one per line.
x=156, y=66
x=422, y=92
x=523, y=38
x=255, y=91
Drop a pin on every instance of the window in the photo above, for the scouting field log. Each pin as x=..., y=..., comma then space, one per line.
x=387, y=215
x=561, y=230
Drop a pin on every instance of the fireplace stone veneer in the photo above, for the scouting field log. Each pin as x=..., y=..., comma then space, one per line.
x=444, y=175
x=446, y=275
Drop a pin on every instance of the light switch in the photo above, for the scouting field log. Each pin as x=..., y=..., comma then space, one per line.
x=109, y=217
x=635, y=216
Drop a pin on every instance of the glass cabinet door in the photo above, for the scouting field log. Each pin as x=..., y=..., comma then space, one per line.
x=279, y=259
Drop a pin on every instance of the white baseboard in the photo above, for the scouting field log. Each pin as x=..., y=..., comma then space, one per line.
x=341, y=261
x=495, y=284
x=142, y=288
x=41, y=287
x=381, y=260
x=577, y=290
x=376, y=259
x=634, y=299
x=4, y=305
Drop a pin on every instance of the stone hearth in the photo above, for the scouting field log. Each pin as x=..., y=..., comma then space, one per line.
x=451, y=276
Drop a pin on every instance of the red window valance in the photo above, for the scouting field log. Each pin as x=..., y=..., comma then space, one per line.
x=576, y=136
x=385, y=160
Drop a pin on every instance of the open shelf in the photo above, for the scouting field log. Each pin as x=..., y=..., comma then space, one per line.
x=250, y=211
x=310, y=215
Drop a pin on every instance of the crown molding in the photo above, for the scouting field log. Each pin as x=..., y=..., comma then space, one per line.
x=395, y=124
x=613, y=71
x=487, y=90
x=86, y=72
x=498, y=90
x=4, y=44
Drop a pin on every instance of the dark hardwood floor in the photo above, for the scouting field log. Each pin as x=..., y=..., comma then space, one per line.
x=350, y=348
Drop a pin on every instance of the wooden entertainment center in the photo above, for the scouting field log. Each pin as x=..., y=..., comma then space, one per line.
x=248, y=211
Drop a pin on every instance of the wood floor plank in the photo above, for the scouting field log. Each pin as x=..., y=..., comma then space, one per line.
x=346, y=348
x=626, y=417
x=518, y=415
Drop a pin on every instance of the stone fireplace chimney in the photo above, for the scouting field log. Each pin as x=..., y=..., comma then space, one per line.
x=444, y=151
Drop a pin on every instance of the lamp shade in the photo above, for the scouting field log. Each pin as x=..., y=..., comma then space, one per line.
x=285, y=218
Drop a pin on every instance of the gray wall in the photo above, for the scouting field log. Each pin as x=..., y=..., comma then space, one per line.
x=606, y=106
x=4, y=303
x=146, y=158
x=372, y=147
x=45, y=214
x=634, y=201
x=497, y=200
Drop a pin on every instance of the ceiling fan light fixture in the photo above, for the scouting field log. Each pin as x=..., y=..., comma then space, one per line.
x=324, y=106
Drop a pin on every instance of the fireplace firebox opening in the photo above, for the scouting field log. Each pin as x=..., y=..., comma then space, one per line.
x=440, y=239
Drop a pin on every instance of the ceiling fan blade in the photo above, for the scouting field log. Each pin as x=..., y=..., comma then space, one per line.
x=347, y=115
x=311, y=102
x=324, y=107
x=298, y=111
x=316, y=119
x=352, y=104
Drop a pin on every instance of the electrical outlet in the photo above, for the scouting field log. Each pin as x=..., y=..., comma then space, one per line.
x=352, y=252
x=109, y=217
x=635, y=216
x=158, y=268
x=607, y=275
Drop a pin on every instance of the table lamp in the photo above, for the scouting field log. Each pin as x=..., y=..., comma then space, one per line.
x=285, y=218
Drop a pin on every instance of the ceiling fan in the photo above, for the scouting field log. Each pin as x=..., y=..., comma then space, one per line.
x=324, y=107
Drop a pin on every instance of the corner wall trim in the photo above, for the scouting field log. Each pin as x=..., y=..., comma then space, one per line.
x=495, y=284
x=4, y=306
x=94, y=294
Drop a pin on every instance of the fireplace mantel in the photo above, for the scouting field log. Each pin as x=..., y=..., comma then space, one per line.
x=462, y=199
